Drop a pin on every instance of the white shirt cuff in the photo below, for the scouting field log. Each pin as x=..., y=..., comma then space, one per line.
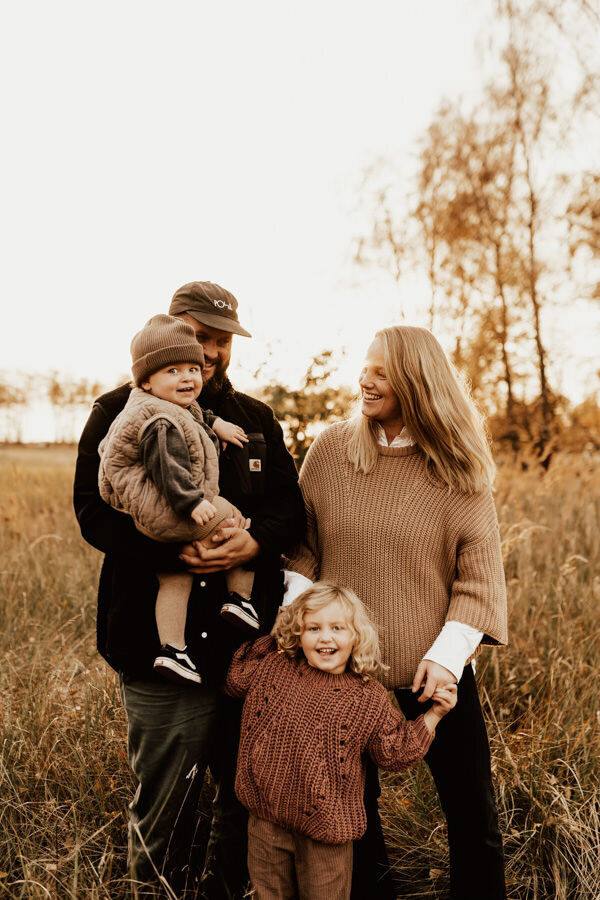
x=295, y=584
x=455, y=643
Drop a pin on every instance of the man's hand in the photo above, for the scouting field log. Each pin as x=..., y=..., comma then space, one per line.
x=432, y=675
x=233, y=547
x=237, y=520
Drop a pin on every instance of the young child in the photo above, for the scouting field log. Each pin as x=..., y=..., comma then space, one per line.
x=313, y=708
x=159, y=464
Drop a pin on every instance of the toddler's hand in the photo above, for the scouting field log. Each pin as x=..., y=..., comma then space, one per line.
x=229, y=433
x=444, y=699
x=204, y=512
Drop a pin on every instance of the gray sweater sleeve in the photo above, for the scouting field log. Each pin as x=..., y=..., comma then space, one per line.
x=209, y=417
x=166, y=459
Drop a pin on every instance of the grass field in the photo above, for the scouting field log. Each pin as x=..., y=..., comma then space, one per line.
x=64, y=778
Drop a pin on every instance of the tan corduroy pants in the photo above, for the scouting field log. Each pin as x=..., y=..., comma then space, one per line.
x=287, y=866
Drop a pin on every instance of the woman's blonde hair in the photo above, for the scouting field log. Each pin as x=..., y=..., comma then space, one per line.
x=436, y=408
x=365, y=658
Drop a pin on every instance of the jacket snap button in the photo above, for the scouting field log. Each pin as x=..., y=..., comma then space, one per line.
x=204, y=634
x=202, y=584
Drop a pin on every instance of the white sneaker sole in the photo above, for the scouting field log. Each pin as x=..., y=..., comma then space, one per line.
x=172, y=670
x=238, y=616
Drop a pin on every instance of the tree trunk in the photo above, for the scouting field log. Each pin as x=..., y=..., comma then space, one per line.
x=508, y=377
x=432, y=282
x=535, y=304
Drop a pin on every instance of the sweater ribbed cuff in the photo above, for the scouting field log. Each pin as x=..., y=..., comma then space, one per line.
x=422, y=733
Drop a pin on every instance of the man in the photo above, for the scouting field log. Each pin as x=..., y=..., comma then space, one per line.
x=176, y=731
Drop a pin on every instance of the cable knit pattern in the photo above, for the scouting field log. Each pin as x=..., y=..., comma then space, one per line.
x=415, y=552
x=303, y=734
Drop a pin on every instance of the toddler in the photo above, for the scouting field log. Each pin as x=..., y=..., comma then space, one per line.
x=313, y=708
x=159, y=464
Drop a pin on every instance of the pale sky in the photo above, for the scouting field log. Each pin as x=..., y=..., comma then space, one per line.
x=147, y=144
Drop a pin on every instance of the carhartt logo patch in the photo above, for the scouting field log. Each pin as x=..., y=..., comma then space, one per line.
x=255, y=465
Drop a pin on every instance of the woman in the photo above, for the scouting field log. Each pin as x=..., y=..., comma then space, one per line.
x=400, y=510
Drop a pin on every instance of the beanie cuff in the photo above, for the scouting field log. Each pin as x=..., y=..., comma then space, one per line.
x=150, y=363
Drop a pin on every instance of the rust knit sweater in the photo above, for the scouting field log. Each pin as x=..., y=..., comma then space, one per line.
x=303, y=734
x=415, y=552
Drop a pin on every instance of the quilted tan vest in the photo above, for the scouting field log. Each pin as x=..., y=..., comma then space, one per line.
x=124, y=483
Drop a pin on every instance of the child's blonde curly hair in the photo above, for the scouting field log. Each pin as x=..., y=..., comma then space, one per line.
x=365, y=659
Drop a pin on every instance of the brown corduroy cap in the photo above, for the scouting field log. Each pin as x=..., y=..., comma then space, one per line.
x=163, y=340
x=209, y=304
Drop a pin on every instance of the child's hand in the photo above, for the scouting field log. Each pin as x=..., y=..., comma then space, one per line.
x=229, y=433
x=204, y=512
x=444, y=699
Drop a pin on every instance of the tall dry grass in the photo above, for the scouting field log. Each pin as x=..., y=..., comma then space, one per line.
x=64, y=779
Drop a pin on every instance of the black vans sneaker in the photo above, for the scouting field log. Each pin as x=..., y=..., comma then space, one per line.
x=176, y=665
x=240, y=612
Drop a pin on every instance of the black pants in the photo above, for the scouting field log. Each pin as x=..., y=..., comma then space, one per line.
x=459, y=760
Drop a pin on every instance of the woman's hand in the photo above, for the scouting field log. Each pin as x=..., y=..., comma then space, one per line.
x=432, y=675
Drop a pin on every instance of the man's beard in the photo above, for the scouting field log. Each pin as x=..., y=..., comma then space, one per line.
x=214, y=385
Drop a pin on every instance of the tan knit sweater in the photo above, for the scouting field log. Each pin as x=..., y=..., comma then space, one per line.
x=416, y=553
x=303, y=735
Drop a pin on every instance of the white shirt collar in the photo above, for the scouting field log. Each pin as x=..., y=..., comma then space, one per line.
x=401, y=440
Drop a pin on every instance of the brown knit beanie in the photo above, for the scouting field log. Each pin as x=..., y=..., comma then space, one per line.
x=162, y=341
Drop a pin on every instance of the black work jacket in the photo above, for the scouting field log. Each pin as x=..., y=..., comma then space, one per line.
x=260, y=479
